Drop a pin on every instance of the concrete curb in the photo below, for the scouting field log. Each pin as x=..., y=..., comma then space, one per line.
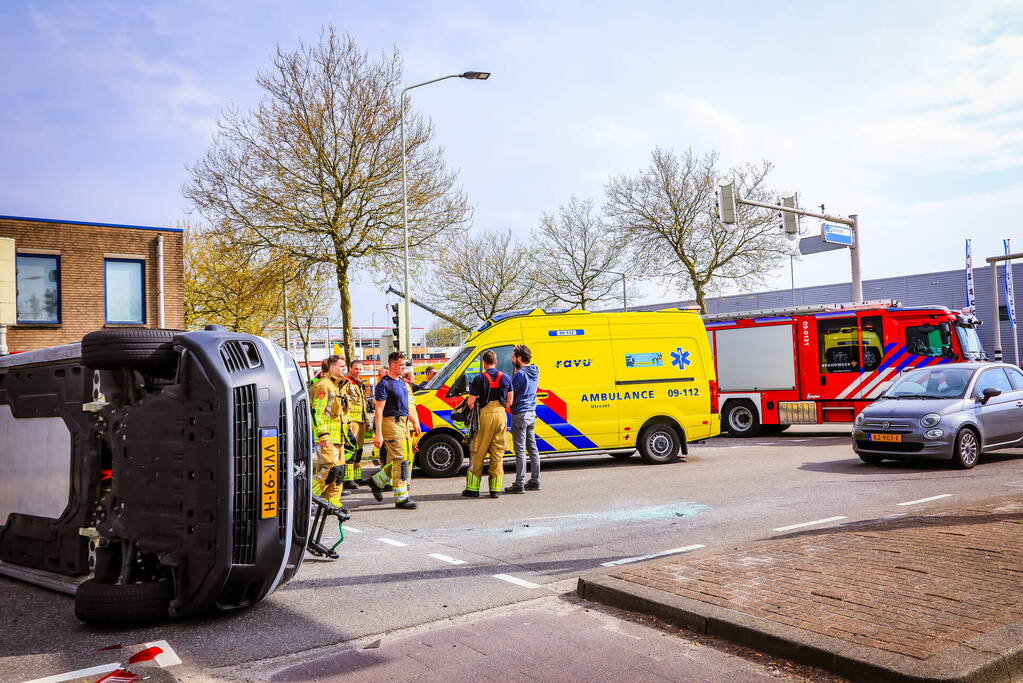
x=994, y=657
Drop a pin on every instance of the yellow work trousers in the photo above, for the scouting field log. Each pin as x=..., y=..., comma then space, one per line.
x=398, y=447
x=327, y=483
x=353, y=458
x=489, y=440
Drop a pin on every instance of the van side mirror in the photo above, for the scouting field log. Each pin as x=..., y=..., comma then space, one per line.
x=990, y=393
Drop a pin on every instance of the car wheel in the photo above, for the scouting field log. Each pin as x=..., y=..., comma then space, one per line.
x=741, y=419
x=144, y=349
x=659, y=443
x=871, y=459
x=107, y=604
x=440, y=455
x=967, y=449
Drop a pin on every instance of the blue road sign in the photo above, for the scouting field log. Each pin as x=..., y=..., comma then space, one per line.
x=837, y=234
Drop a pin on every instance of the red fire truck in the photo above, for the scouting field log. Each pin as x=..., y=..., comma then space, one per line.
x=821, y=364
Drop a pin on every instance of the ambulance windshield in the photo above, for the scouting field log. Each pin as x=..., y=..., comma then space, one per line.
x=970, y=341
x=445, y=372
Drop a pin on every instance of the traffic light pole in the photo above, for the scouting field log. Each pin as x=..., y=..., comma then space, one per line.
x=851, y=221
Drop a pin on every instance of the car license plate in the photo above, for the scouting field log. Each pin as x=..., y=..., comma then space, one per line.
x=886, y=437
x=268, y=473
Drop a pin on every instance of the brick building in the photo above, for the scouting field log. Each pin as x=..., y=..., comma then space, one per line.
x=74, y=277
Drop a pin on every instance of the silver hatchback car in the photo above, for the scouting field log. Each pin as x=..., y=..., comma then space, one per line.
x=954, y=412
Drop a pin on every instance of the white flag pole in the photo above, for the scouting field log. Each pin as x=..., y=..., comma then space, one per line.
x=1010, y=302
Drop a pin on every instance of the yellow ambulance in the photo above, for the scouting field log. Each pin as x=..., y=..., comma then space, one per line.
x=611, y=383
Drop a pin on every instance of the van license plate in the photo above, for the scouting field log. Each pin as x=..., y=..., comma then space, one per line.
x=269, y=471
x=886, y=437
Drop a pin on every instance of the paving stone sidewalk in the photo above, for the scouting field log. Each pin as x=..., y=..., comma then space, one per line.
x=555, y=640
x=920, y=597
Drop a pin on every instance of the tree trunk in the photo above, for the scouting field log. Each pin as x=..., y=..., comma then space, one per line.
x=305, y=357
x=700, y=299
x=344, y=289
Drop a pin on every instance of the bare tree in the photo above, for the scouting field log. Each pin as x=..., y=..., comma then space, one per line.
x=667, y=214
x=309, y=300
x=577, y=257
x=314, y=170
x=480, y=276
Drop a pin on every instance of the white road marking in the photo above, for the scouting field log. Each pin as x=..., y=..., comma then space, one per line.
x=353, y=529
x=816, y=521
x=446, y=558
x=926, y=500
x=81, y=673
x=391, y=541
x=518, y=582
x=673, y=551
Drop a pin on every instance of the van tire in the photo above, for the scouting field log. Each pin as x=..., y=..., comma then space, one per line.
x=440, y=455
x=144, y=349
x=107, y=604
x=741, y=418
x=659, y=443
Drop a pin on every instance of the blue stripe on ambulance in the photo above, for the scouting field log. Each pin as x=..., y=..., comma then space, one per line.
x=563, y=428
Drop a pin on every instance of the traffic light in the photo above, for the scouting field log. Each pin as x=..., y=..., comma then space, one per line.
x=397, y=312
x=789, y=221
x=726, y=203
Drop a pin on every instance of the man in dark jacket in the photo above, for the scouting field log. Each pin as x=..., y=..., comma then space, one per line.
x=523, y=422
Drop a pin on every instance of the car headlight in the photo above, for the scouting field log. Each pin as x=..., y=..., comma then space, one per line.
x=859, y=420
x=930, y=419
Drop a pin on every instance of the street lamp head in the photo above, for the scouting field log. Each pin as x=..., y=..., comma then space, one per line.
x=477, y=75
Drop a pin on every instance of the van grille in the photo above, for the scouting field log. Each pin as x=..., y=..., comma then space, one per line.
x=302, y=460
x=284, y=470
x=234, y=356
x=246, y=469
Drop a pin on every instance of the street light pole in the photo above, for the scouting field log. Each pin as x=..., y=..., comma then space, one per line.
x=407, y=332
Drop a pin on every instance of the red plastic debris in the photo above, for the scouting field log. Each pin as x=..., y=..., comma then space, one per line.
x=145, y=655
x=119, y=676
x=106, y=474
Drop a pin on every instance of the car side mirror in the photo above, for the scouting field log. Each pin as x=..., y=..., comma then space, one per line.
x=989, y=394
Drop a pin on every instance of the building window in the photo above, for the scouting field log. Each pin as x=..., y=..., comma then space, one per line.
x=38, y=283
x=124, y=282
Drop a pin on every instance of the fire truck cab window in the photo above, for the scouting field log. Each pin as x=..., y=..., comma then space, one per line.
x=930, y=340
x=838, y=345
x=871, y=342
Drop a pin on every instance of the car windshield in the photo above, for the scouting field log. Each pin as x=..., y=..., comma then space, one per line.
x=441, y=377
x=970, y=341
x=939, y=382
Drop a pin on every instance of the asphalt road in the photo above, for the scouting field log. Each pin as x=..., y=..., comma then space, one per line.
x=400, y=568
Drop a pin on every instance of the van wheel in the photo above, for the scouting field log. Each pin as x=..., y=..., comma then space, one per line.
x=107, y=604
x=659, y=443
x=440, y=455
x=145, y=349
x=741, y=419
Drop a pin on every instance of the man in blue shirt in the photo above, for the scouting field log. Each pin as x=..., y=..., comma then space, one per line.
x=523, y=422
x=491, y=392
x=395, y=428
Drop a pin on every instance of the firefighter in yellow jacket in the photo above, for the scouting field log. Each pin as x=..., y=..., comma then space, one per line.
x=330, y=424
x=358, y=423
x=491, y=393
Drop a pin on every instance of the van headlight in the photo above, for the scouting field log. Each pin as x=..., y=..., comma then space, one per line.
x=930, y=419
x=859, y=420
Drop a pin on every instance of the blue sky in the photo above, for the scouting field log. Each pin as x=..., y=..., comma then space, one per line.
x=909, y=114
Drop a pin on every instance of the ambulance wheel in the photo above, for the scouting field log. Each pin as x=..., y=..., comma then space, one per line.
x=440, y=455
x=741, y=419
x=107, y=604
x=659, y=443
x=143, y=349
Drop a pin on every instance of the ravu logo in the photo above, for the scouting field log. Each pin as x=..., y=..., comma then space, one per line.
x=585, y=363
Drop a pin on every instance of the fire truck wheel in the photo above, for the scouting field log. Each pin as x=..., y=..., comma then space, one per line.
x=741, y=418
x=658, y=443
x=105, y=604
x=440, y=455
